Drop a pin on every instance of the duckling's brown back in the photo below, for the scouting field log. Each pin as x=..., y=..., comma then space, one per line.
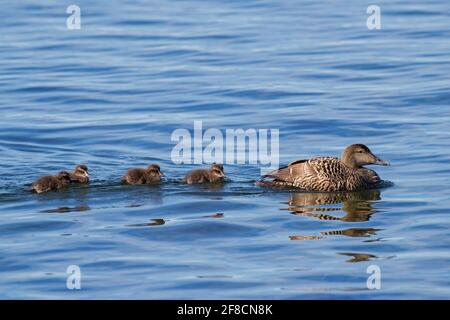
x=197, y=176
x=134, y=176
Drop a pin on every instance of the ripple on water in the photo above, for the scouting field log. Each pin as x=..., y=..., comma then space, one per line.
x=25, y=227
x=195, y=231
x=111, y=94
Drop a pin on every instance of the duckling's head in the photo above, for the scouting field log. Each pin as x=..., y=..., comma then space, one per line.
x=217, y=170
x=358, y=155
x=154, y=169
x=63, y=176
x=81, y=170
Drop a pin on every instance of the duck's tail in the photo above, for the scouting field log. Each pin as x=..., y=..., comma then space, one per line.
x=281, y=177
x=275, y=174
x=264, y=184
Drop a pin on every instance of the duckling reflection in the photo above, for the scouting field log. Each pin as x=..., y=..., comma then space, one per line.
x=204, y=187
x=153, y=222
x=215, y=215
x=67, y=209
x=357, y=205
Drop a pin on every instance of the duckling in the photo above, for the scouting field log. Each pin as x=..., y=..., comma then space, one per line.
x=151, y=174
x=331, y=174
x=80, y=174
x=214, y=174
x=51, y=183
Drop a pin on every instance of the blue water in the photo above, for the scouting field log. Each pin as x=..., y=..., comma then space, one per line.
x=110, y=95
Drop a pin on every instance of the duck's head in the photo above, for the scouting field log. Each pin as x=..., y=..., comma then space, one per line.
x=81, y=170
x=155, y=170
x=217, y=170
x=359, y=155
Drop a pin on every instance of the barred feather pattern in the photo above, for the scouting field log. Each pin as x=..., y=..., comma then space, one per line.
x=353, y=232
x=326, y=174
x=320, y=216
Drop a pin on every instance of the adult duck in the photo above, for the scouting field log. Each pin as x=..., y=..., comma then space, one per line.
x=330, y=174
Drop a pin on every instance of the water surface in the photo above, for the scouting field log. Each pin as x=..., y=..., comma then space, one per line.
x=111, y=94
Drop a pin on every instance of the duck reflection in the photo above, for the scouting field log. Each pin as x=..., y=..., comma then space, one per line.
x=67, y=209
x=305, y=237
x=358, y=257
x=209, y=186
x=356, y=205
x=352, y=232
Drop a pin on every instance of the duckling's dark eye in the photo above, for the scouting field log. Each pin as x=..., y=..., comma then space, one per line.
x=360, y=151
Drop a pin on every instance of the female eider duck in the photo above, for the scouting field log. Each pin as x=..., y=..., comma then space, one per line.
x=330, y=174
x=80, y=174
x=214, y=174
x=151, y=174
x=51, y=183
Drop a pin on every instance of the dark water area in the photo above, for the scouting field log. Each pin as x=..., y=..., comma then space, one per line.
x=111, y=94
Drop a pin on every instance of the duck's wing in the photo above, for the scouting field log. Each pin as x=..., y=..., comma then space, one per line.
x=327, y=168
x=296, y=162
x=315, y=168
x=290, y=172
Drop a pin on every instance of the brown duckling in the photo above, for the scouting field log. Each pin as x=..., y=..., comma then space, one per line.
x=151, y=174
x=51, y=183
x=331, y=174
x=80, y=174
x=214, y=174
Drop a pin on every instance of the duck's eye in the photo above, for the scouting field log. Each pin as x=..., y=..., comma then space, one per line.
x=360, y=151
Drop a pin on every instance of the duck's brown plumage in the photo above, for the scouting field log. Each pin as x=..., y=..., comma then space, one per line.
x=331, y=174
x=51, y=183
x=151, y=174
x=214, y=174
